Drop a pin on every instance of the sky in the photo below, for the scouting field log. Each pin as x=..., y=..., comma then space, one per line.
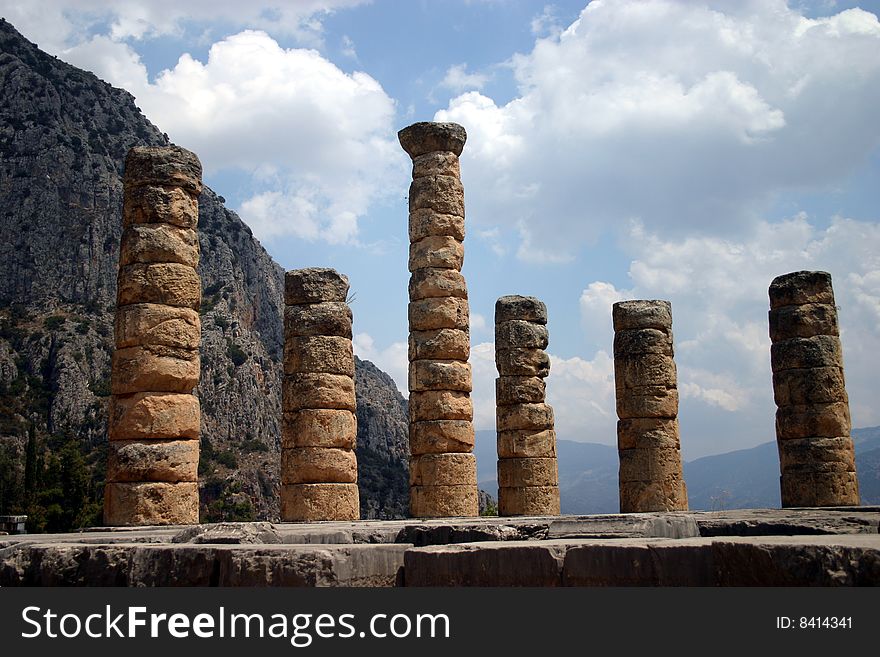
x=655, y=149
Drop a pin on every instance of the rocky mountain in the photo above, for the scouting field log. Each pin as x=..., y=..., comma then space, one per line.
x=742, y=479
x=64, y=135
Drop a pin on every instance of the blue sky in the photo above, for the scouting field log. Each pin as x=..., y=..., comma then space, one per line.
x=657, y=149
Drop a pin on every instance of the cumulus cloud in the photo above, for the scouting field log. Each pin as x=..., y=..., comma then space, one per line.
x=458, y=79
x=318, y=143
x=393, y=359
x=718, y=289
x=690, y=117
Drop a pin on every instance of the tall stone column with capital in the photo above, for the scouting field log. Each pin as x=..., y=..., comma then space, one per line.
x=528, y=476
x=443, y=473
x=319, y=426
x=645, y=379
x=816, y=454
x=154, y=419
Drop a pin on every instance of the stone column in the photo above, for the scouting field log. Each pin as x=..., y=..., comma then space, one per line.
x=152, y=468
x=645, y=380
x=528, y=476
x=319, y=427
x=816, y=455
x=443, y=471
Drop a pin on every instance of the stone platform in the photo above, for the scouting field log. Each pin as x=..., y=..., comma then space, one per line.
x=792, y=547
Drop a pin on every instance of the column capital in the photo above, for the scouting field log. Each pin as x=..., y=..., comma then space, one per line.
x=427, y=136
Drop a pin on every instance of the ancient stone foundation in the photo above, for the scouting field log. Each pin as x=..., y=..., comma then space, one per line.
x=319, y=428
x=443, y=471
x=816, y=456
x=647, y=407
x=152, y=467
x=528, y=479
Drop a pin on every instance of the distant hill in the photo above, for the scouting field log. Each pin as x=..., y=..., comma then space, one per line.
x=743, y=479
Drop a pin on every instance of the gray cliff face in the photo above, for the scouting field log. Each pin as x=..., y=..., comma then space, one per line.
x=64, y=135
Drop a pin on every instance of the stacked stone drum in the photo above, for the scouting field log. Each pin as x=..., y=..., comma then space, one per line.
x=443, y=474
x=152, y=467
x=528, y=480
x=646, y=385
x=319, y=427
x=816, y=455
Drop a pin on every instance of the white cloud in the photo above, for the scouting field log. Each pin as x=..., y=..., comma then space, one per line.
x=56, y=24
x=718, y=289
x=458, y=79
x=690, y=117
x=318, y=143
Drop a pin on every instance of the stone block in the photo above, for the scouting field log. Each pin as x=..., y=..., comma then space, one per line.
x=327, y=318
x=648, y=433
x=813, y=420
x=436, y=163
x=440, y=405
x=154, y=368
x=649, y=464
x=643, y=496
x=522, y=362
x=633, y=342
x=507, y=563
x=642, y=314
x=169, y=166
x=428, y=136
x=803, y=321
x=443, y=501
x=647, y=402
x=153, y=416
x=433, y=282
x=319, y=427
x=315, y=502
x=802, y=353
x=527, y=472
x=514, y=306
x=524, y=417
x=441, y=436
x=520, y=334
x=439, y=313
x=817, y=455
x=439, y=375
x=801, y=287
x=170, y=283
x=156, y=324
x=436, y=251
x=318, y=354
x=815, y=385
x=526, y=444
x=311, y=391
x=519, y=390
x=644, y=370
x=152, y=204
x=427, y=223
x=151, y=503
x=452, y=469
x=315, y=465
x=444, y=344
x=528, y=501
x=314, y=285
x=443, y=194
x=153, y=460
x=149, y=243
x=819, y=489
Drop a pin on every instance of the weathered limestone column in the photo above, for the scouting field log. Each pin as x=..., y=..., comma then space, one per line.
x=443, y=470
x=816, y=455
x=645, y=380
x=528, y=476
x=152, y=468
x=319, y=428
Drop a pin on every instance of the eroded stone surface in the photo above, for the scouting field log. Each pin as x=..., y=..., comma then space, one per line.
x=158, y=416
x=151, y=503
x=314, y=285
x=324, y=501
